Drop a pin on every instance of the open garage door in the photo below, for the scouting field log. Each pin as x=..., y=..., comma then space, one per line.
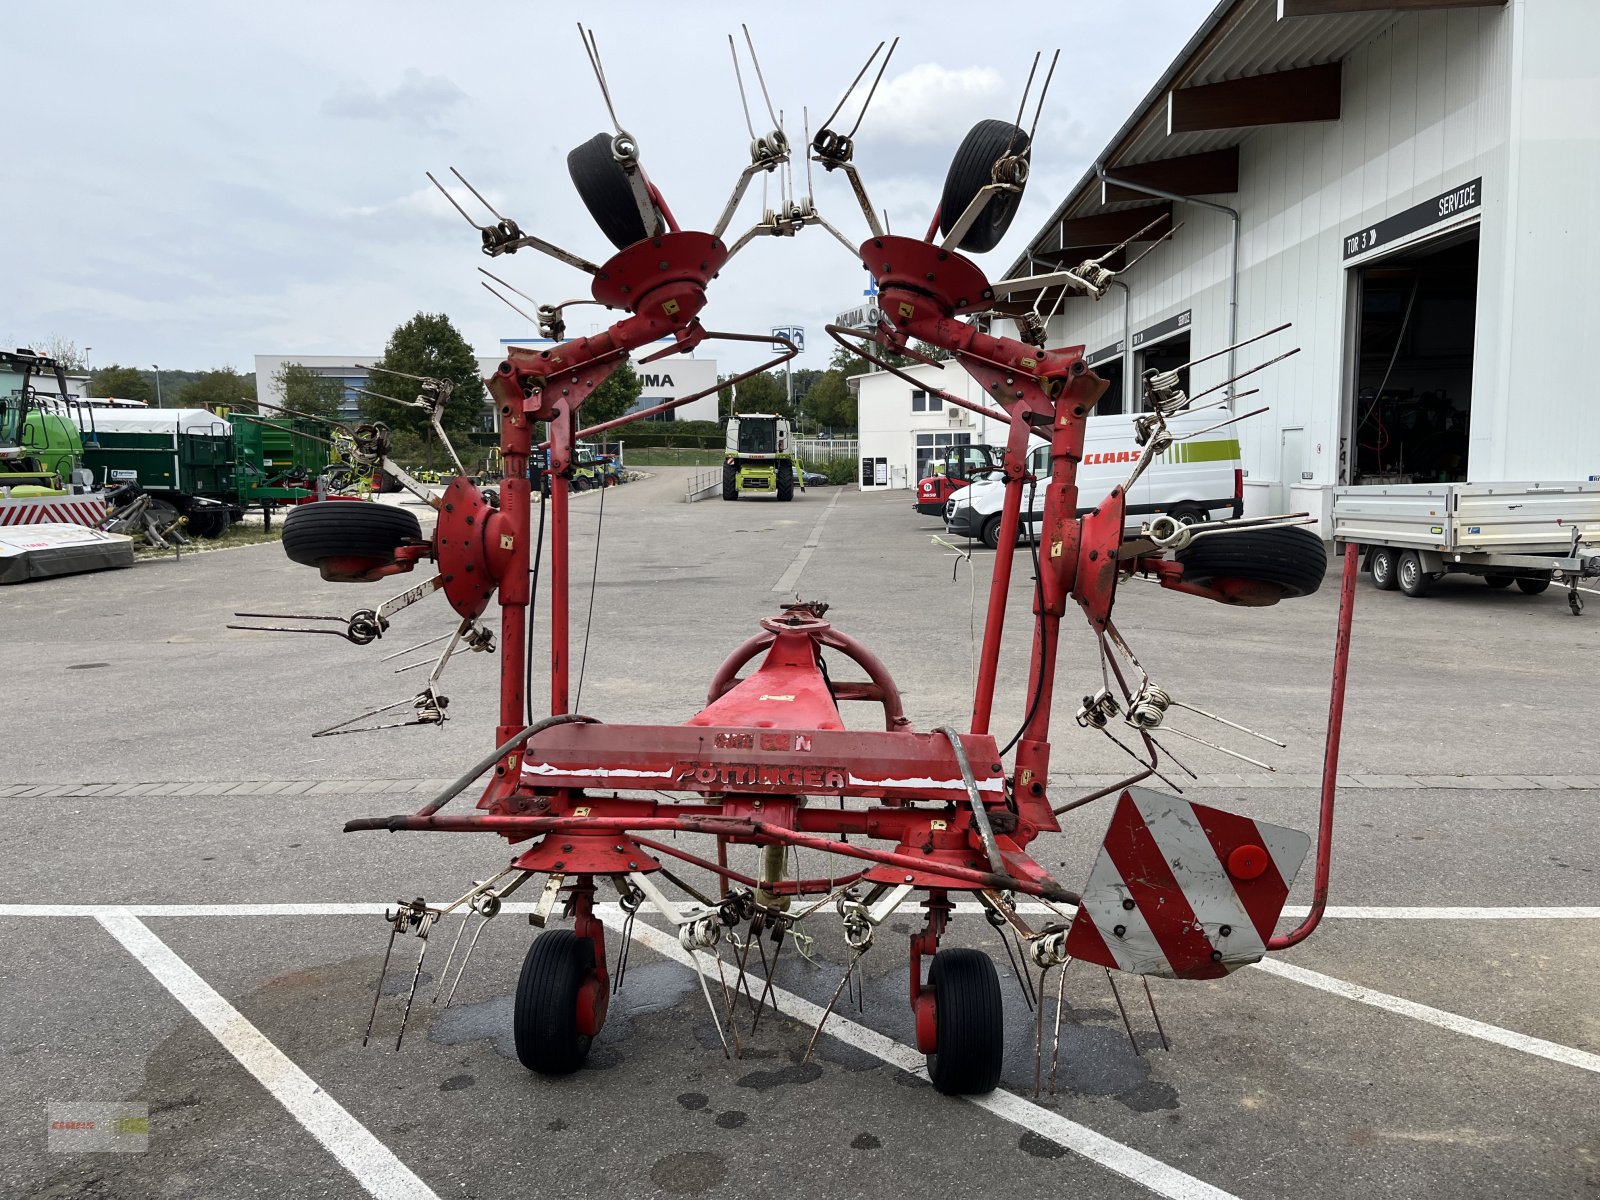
x=1413, y=363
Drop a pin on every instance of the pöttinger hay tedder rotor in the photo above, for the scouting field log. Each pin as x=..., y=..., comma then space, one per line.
x=1179, y=889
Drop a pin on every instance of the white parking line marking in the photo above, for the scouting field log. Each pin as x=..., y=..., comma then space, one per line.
x=1122, y=1159
x=1454, y=1022
x=371, y=1162
x=813, y=539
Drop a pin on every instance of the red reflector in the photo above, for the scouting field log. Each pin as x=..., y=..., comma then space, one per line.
x=1238, y=483
x=1248, y=862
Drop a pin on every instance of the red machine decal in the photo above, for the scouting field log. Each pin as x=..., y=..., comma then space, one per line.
x=1182, y=890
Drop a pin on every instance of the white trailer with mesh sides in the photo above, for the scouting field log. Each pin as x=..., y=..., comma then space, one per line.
x=1529, y=534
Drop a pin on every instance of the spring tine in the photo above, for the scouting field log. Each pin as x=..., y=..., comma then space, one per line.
x=1027, y=976
x=767, y=990
x=705, y=990
x=592, y=48
x=738, y=78
x=743, y=980
x=506, y=302
x=827, y=1012
x=383, y=973
x=476, y=193
x=449, y=958
x=1038, y=1038
x=622, y=955
x=1132, y=1041
x=1229, y=399
x=1006, y=942
x=1189, y=437
x=849, y=90
x=1055, y=1047
x=415, y=977
x=418, y=646
x=1043, y=91
x=1195, y=362
x=1131, y=754
x=1222, y=749
x=873, y=90
x=1244, y=374
x=465, y=959
x=1230, y=724
x=1022, y=104
x=756, y=63
x=1165, y=1045
x=1176, y=760
x=1138, y=258
x=805, y=129
x=454, y=204
x=729, y=998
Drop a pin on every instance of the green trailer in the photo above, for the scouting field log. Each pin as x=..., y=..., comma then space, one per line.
x=184, y=457
x=277, y=460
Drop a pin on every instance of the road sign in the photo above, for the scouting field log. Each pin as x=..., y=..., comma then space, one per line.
x=795, y=333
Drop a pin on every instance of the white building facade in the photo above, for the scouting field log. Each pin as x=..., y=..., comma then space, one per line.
x=903, y=426
x=1412, y=188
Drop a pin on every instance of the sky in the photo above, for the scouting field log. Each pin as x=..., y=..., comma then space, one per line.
x=192, y=184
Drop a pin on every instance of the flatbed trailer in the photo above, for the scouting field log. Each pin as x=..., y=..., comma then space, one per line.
x=1530, y=534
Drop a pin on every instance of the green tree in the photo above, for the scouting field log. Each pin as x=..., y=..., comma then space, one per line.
x=830, y=403
x=763, y=393
x=430, y=346
x=123, y=383
x=612, y=398
x=302, y=390
x=221, y=388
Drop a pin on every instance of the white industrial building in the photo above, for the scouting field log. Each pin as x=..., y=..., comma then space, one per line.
x=1411, y=183
x=662, y=381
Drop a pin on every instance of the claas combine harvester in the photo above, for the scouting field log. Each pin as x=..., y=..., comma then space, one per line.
x=1178, y=889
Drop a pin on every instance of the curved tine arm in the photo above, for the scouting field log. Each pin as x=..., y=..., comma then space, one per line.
x=839, y=334
x=739, y=189
x=728, y=673
x=543, y=247
x=1052, y=279
x=819, y=219
x=894, y=715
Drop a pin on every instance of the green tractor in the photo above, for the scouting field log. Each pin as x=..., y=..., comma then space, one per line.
x=759, y=456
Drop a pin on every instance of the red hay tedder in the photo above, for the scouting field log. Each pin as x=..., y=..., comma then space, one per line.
x=1178, y=890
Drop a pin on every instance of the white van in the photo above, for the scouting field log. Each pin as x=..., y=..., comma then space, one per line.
x=1198, y=480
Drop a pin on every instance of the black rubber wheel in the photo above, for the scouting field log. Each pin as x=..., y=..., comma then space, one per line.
x=1499, y=581
x=1414, y=581
x=1385, y=564
x=164, y=512
x=207, y=522
x=991, y=533
x=1575, y=603
x=785, y=480
x=368, y=534
x=1288, y=556
x=1186, y=514
x=970, y=172
x=606, y=193
x=1532, y=586
x=545, y=1019
x=730, y=481
x=579, y=484
x=969, y=1018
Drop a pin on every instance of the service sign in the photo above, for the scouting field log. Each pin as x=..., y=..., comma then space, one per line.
x=1434, y=211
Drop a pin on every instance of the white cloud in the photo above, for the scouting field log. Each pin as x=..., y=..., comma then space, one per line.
x=930, y=105
x=418, y=101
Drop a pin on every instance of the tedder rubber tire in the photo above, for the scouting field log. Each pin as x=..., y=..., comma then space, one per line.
x=605, y=191
x=1499, y=581
x=969, y=1019
x=970, y=172
x=730, y=482
x=1414, y=581
x=1532, y=587
x=544, y=1022
x=1288, y=556
x=1385, y=568
x=785, y=480
x=991, y=533
x=343, y=529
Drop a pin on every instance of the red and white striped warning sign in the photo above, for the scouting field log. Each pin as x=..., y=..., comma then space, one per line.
x=46, y=510
x=1182, y=890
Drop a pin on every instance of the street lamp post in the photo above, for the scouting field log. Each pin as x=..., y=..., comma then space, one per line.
x=157, y=370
